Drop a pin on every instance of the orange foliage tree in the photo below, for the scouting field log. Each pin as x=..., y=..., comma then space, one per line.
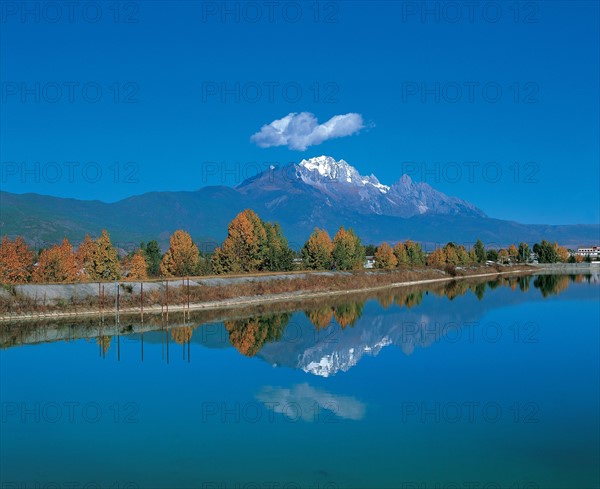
x=136, y=266
x=385, y=257
x=182, y=258
x=316, y=252
x=561, y=252
x=437, y=258
x=16, y=261
x=401, y=254
x=57, y=264
x=98, y=259
x=245, y=247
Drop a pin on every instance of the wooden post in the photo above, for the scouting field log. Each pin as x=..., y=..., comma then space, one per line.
x=167, y=306
x=142, y=301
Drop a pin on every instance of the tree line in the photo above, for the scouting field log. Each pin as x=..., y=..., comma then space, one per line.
x=251, y=245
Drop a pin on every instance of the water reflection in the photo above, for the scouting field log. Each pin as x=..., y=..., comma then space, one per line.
x=326, y=337
x=305, y=402
x=249, y=335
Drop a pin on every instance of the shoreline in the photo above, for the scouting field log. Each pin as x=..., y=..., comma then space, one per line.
x=245, y=301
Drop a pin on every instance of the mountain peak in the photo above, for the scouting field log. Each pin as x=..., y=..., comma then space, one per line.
x=326, y=169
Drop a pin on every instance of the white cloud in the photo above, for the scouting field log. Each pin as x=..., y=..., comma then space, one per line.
x=307, y=403
x=300, y=130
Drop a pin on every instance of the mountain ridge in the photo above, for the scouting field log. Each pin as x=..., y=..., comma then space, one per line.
x=318, y=192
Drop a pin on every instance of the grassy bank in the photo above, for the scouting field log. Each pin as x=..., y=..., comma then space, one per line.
x=228, y=292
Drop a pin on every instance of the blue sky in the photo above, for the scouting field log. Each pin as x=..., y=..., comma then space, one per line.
x=178, y=92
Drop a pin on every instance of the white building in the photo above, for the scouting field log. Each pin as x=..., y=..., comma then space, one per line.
x=592, y=251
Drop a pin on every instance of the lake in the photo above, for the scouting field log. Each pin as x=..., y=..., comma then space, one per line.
x=479, y=384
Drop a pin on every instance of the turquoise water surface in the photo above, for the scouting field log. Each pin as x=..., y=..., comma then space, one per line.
x=462, y=385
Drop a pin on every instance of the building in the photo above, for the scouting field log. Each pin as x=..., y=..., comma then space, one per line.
x=591, y=251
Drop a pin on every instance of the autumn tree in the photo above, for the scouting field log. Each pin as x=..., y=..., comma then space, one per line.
x=137, y=266
x=437, y=258
x=384, y=257
x=105, y=261
x=562, y=253
x=57, y=264
x=503, y=256
x=400, y=253
x=182, y=257
x=348, y=252
x=513, y=253
x=451, y=253
x=245, y=247
x=85, y=257
x=16, y=261
x=317, y=251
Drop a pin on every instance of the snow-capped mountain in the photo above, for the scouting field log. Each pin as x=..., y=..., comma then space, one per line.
x=337, y=182
x=316, y=192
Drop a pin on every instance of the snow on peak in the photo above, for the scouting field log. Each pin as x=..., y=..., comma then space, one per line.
x=325, y=168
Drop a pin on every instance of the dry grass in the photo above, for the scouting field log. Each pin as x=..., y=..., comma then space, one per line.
x=363, y=279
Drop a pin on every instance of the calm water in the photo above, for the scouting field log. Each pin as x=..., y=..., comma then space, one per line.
x=462, y=385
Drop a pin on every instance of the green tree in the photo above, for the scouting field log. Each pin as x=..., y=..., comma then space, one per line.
x=492, y=255
x=480, y=251
x=153, y=257
x=523, y=252
x=279, y=256
x=546, y=252
x=416, y=255
x=370, y=250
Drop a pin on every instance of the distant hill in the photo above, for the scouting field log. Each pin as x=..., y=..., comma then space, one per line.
x=319, y=192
